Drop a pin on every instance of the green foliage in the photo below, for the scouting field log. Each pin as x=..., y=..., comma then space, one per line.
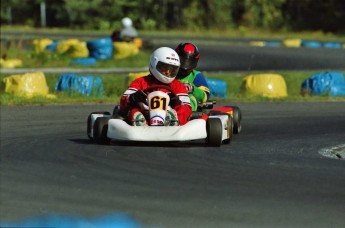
x=208, y=14
x=149, y=24
x=195, y=15
x=217, y=17
x=265, y=13
x=328, y=16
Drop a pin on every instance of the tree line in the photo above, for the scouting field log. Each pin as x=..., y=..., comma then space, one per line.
x=278, y=15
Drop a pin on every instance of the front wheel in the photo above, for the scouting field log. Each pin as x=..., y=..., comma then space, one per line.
x=100, y=130
x=89, y=123
x=214, y=131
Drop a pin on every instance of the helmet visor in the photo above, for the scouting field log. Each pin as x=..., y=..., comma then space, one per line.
x=167, y=70
x=188, y=63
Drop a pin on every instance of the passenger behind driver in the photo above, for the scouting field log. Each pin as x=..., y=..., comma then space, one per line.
x=164, y=65
x=193, y=80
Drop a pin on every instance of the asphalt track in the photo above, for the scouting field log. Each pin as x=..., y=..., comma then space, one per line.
x=249, y=58
x=271, y=175
x=220, y=56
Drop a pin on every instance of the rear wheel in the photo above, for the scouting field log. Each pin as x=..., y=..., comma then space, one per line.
x=214, y=132
x=89, y=123
x=237, y=117
x=100, y=129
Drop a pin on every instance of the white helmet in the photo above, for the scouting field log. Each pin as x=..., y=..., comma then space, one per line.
x=126, y=22
x=164, y=64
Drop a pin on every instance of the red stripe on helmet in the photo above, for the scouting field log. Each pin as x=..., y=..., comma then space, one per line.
x=189, y=48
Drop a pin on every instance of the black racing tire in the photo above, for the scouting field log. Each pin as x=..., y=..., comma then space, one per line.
x=237, y=118
x=214, y=131
x=89, y=124
x=230, y=130
x=230, y=125
x=100, y=129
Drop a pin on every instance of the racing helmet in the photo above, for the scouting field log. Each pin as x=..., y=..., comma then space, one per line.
x=189, y=56
x=126, y=22
x=164, y=64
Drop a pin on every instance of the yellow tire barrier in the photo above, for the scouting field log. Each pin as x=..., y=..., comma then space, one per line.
x=10, y=63
x=266, y=85
x=123, y=50
x=27, y=85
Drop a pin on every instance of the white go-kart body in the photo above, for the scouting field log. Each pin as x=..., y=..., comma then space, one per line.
x=214, y=129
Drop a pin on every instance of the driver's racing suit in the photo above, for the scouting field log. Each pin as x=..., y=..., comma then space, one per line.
x=201, y=91
x=183, y=110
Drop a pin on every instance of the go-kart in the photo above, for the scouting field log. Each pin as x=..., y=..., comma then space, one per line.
x=213, y=126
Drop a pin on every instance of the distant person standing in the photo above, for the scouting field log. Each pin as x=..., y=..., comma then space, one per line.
x=128, y=32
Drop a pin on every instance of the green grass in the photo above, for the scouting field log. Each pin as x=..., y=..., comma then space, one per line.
x=116, y=84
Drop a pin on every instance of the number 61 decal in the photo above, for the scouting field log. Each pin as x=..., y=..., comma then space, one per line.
x=158, y=102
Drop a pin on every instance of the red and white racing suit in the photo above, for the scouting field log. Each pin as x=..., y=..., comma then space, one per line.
x=184, y=110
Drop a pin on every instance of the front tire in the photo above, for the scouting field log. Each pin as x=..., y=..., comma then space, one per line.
x=100, y=130
x=89, y=123
x=214, y=131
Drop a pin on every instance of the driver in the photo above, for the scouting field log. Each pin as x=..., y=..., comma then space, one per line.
x=193, y=80
x=164, y=65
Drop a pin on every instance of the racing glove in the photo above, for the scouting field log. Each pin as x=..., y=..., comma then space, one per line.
x=189, y=87
x=175, y=101
x=137, y=97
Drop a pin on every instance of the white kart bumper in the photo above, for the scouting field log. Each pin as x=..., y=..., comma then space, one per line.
x=193, y=130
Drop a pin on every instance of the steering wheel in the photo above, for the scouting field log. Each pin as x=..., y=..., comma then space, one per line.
x=153, y=88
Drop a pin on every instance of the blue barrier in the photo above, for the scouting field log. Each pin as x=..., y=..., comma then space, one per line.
x=311, y=44
x=337, y=90
x=52, y=47
x=217, y=87
x=67, y=221
x=332, y=45
x=101, y=48
x=84, y=85
x=273, y=44
x=324, y=83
